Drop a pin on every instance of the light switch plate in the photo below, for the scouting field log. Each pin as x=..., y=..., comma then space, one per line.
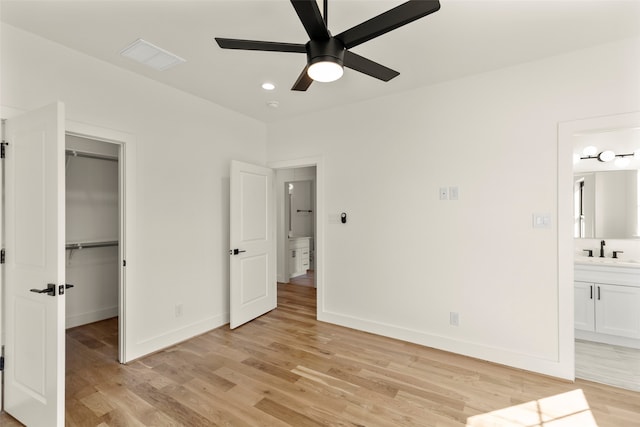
x=541, y=220
x=453, y=193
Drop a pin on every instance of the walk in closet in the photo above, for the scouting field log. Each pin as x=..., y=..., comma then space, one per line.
x=92, y=230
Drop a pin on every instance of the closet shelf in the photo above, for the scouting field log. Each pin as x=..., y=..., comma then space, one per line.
x=91, y=245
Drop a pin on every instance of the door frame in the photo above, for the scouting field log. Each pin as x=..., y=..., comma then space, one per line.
x=126, y=190
x=318, y=162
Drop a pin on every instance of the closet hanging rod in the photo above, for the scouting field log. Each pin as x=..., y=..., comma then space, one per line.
x=91, y=245
x=76, y=153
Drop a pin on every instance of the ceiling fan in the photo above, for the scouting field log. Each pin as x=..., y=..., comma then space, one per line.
x=328, y=54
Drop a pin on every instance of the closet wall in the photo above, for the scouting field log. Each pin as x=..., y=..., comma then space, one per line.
x=92, y=216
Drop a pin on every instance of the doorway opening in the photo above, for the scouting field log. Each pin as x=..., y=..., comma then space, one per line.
x=606, y=336
x=292, y=171
x=94, y=256
x=297, y=225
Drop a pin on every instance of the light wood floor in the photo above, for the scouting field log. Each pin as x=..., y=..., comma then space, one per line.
x=287, y=369
x=608, y=364
x=307, y=279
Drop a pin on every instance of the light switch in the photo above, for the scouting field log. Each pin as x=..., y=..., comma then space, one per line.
x=541, y=220
x=453, y=193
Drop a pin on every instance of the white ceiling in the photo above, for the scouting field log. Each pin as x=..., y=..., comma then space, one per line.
x=465, y=37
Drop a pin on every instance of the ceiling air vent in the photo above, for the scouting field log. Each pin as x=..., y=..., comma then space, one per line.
x=151, y=55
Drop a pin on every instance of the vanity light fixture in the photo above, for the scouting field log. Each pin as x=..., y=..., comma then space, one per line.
x=589, y=151
x=622, y=162
x=607, y=156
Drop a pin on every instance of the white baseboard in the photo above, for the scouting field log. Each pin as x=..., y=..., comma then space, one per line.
x=502, y=356
x=147, y=346
x=90, y=317
x=607, y=339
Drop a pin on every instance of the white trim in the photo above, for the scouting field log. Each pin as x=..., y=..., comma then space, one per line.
x=127, y=161
x=318, y=162
x=90, y=317
x=505, y=356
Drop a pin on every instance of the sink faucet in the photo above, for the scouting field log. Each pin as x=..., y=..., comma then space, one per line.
x=602, y=244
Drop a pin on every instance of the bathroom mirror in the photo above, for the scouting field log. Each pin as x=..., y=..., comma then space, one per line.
x=606, y=204
x=606, y=164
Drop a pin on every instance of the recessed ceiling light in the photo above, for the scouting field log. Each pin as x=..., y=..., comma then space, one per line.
x=268, y=86
x=273, y=104
x=151, y=55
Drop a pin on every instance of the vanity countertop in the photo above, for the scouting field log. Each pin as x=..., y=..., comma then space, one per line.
x=607, y=262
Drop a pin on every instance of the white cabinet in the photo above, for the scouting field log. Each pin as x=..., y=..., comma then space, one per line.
x=299, y=248
x=607, y=305
x=607, y=309
x=618, y=310
x=584, y=308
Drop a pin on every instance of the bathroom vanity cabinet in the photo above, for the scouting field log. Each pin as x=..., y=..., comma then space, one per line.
x=299, y=251
x=607, y=304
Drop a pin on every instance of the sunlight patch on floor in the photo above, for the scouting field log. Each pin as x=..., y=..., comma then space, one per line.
x=562, y=410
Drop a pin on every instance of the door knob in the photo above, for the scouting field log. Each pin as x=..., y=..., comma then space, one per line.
x=50, y=290
x=235, y=251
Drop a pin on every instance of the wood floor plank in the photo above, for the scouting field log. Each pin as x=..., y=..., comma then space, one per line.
x=287, y=369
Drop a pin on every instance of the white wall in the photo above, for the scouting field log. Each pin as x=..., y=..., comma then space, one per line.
x=405, y=259
x=183, y=147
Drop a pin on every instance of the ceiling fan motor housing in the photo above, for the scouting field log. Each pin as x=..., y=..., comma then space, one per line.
x=331, y=50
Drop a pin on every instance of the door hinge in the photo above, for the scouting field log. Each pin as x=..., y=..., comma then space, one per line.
x=2, y=255
x=2, y=151
x=1, y=363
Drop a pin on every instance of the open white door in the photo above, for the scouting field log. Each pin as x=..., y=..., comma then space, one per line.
x=35, y=233
x=253, y=243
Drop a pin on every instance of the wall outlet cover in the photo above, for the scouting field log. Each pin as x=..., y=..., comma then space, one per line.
x=444, y=193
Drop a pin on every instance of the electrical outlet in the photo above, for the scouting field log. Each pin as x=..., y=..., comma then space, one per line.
x=444, y=193
x=454, y=318
x=178, y=310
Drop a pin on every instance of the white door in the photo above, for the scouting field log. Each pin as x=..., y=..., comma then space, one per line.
x=253, y=244
x=617, y=310
x=35, y=233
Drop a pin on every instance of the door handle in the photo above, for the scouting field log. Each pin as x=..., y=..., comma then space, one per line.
x=50, y=290
x=235, y=251
x=61, y=288
x=591, y=292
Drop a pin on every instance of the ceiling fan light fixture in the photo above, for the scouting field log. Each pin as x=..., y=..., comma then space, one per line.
x=325, y=71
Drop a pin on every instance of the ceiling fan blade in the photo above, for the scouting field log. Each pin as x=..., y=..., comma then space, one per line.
x=388, y=21
x=303, y=82
x=312, y=20
x=367, y=66
x=260, y=45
